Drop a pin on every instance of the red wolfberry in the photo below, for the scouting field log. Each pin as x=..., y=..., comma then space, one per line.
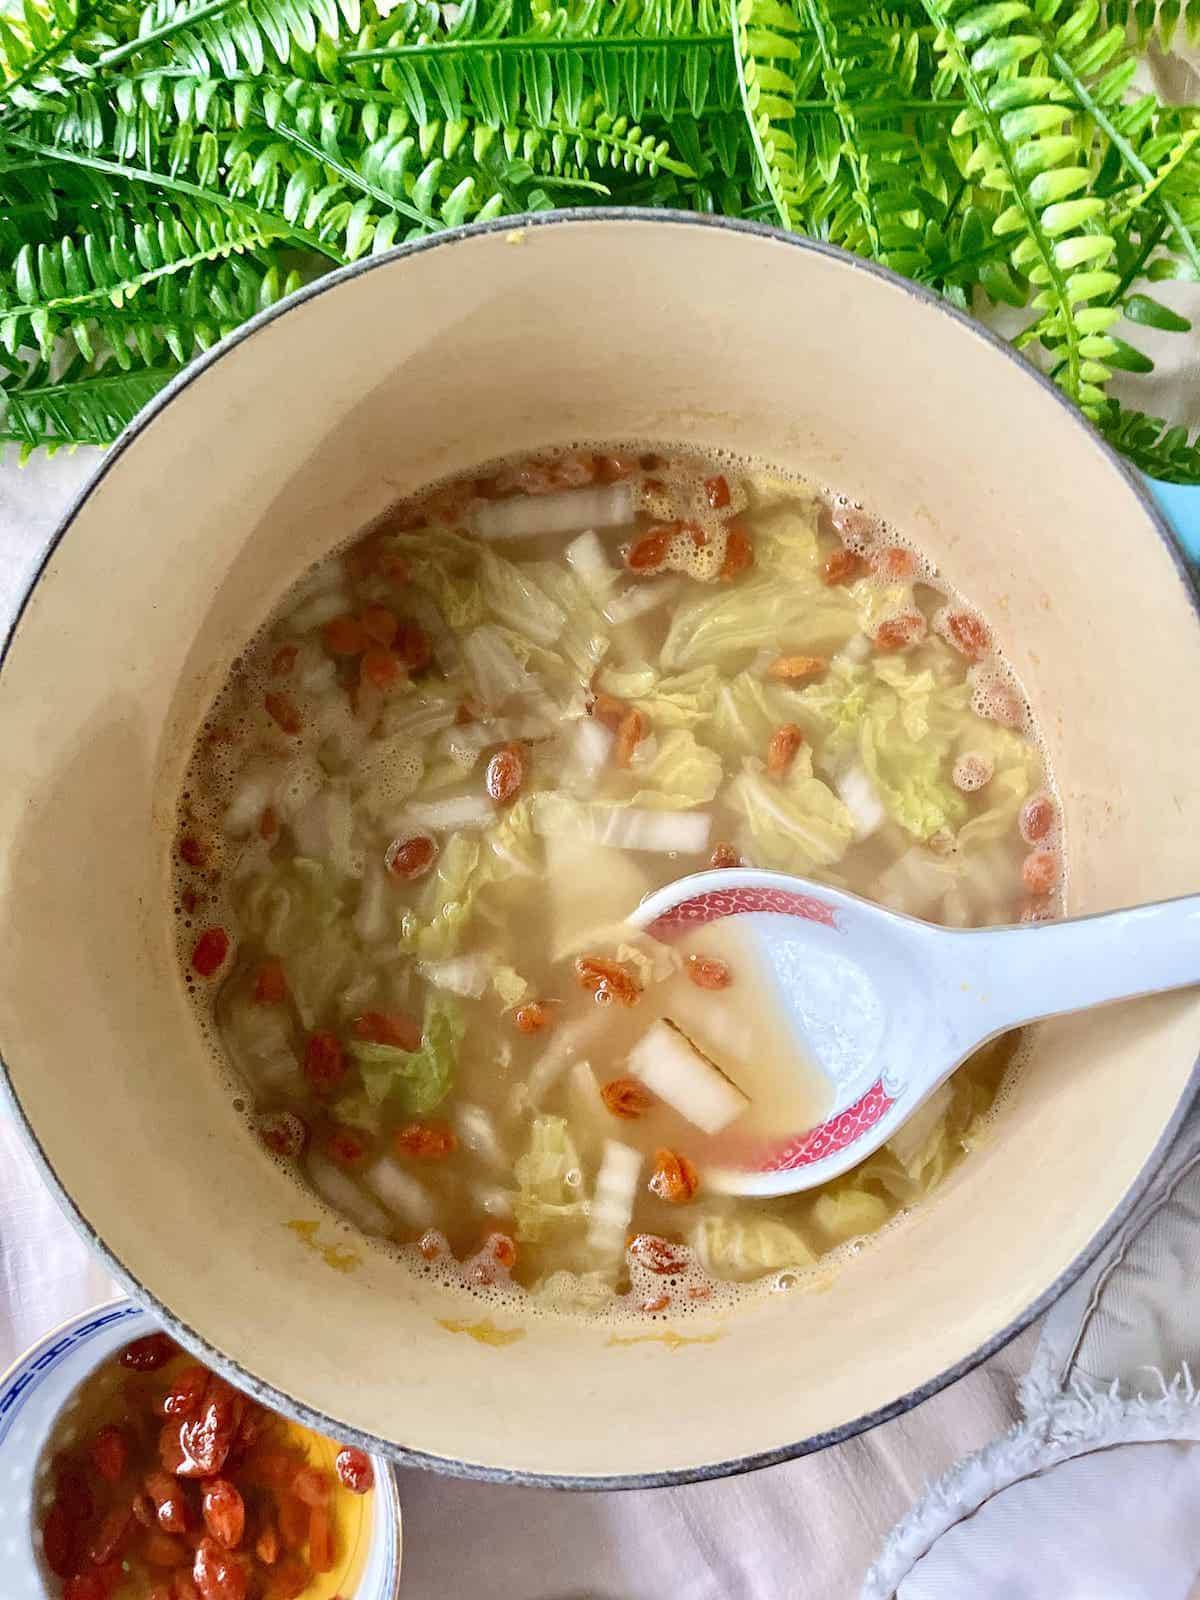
x=324, y=1061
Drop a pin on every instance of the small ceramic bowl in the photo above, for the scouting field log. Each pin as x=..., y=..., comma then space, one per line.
x=34, y=1393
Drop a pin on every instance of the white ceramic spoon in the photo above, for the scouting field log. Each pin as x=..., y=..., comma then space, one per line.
x=887, y=1007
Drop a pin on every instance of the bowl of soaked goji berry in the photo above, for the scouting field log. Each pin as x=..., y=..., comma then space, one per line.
x=130, y=1472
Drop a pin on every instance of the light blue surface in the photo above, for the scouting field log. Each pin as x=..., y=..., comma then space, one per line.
x=1180, y=504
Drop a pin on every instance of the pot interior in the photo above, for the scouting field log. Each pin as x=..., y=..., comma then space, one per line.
x=297, y=435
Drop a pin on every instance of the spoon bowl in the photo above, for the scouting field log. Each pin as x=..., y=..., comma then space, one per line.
x=885, y=1007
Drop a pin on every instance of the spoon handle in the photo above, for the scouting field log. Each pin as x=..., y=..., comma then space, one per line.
x=1015, y=975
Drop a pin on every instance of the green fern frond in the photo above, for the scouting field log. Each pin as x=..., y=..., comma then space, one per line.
x=1027, y=148
x=1161, y=20
x=1154, y=446
x=766, y=50
x=165, y=283
x=507, y=60
x=594, y=139
x=211, y=38
x=78, y=407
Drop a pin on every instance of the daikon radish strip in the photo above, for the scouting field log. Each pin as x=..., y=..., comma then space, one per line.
x=465, y=975
x=443, y=641
x=587, y=556
x=493, y=1200
x=373, y=915
x=592, y=748
x=323, y=831
x=476, y=736
x=671, y=1066
x=568, y=1042
x=344, y=1195
x=461, y=811
x=404, y=1196
x=298, y=783
x=637, y=600
x=620, y=827
x=477, y=1132
x=413, y=717
x=496, y=671
x=586, y=1109
x=611, y=1209
x=531, y=516
x=857, y=794
x=320, y=609
x=253, y=791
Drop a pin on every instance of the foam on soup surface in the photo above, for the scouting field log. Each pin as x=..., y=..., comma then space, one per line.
x=449, y=767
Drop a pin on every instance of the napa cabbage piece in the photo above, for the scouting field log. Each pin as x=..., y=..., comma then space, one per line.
x=875, y=602
x=905, y=739
x=844, y=1210
x=726, y=626
x=576, y=1293
x=748, y=709
x=259, y=1039
x=358, y=1110
x=920, y=1143
x=681, y=774
x=620, y=825
x=911, y=778
x=416, y=1080
x=296, y=910
x=467, y=865
x=517, y=600
x=743, y=1248
x=585, y=635
x=510, y=986
x=434, y=561
x=545, y=1202
x=831, y=710
x=790, y=824
x=902, y=725
x=785, y=537
x=1016, y=769
x=678, y=700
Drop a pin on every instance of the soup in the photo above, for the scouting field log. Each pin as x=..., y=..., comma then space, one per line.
x=460, y=753
x=165, y=1483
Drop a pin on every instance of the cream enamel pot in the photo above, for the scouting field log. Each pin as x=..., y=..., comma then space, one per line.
x=297, y=431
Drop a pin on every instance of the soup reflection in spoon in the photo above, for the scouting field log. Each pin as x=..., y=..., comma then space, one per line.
x=855, y=1015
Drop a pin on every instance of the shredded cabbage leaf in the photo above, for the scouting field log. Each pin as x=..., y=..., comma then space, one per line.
x=358, y=1111
x=785, y=538
x=516, y=600
x=844, y=1210
x=679, y=700
x=468, y=864
x=725, y=627
x=577, y=1292
x=791, y=824
x=585, y=635
x=545, y=1200
x=295, y=910
x=510, y=986
x=749, y=708
x=832, y=709
x=418, y=1079
x=746, y=1247
x=680, y=775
